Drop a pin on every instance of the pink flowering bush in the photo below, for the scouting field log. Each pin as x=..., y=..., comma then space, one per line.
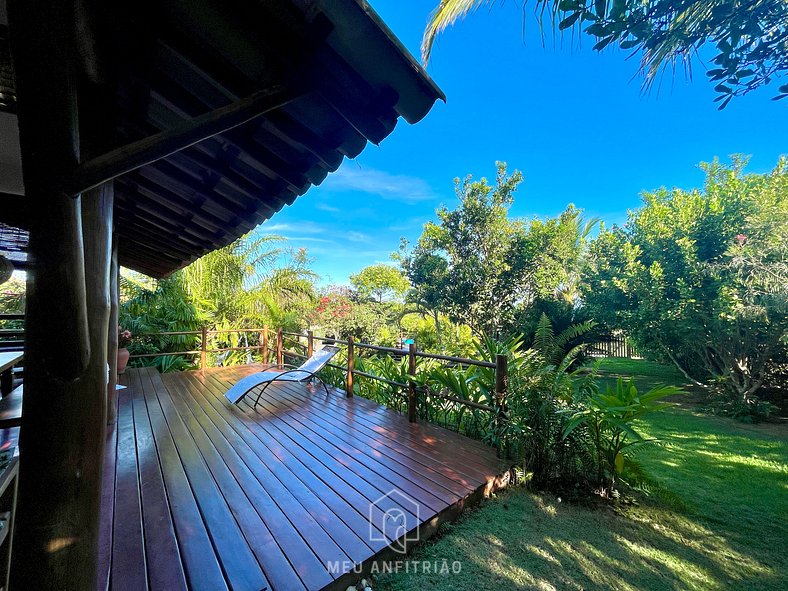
x=124, y=337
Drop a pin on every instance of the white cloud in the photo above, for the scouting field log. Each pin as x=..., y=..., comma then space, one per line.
x=298, y=239
x=354, y=236
x=400, y=187
x=304, y=227
x=327, y=207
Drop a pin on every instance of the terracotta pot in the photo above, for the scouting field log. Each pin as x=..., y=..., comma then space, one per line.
x=123, y=359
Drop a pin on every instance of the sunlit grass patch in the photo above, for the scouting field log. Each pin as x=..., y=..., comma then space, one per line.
x=730, y=535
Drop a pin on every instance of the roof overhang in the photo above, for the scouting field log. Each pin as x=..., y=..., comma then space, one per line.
x=173, y=61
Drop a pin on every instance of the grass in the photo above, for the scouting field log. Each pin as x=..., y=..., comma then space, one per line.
x=730, y=533
x=646, y=374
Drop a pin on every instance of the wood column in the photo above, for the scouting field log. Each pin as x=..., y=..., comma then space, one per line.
x=412, y=382
x=501, y=394
x=112, y=334
x=351, y=366
x=203, y=348
x=67, y=317
x=64, y=422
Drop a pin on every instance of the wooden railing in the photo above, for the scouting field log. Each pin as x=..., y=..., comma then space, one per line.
x=283, y=339
x=11, y=339
x=500, y=366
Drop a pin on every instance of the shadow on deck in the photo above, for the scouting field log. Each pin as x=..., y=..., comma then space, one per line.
x=207, y=495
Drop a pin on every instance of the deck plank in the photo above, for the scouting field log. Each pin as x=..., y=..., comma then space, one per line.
x=203, y=572
x=129, y=570
x=338, y=488
x=281, y=480
x=106, y=518
x=165, y=568
x=279, y=536
x=238, y=562
x=233, y=497
x=424, y=436
x=454, y=467
x=429, y=496
x=420, y=470
x=371, y=486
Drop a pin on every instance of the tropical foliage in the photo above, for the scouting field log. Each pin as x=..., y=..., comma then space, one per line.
x=554, y=421
x=700, y=278
x=751, y=38
x=380, y=282
x=251, y=283
x=482, y=268
x=608, y=418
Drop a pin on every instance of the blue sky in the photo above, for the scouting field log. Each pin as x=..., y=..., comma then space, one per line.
x=575, y=122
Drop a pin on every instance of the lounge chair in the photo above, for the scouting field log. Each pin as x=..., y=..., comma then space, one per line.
x=307, y=371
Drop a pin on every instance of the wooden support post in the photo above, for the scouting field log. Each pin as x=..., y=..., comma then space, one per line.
x=264, y=340
x=112, y=334
x=351, y=365
x=63, y=430
x=412, y=383
x=310, y=343
x=280, y=357
x=204, y=349
x=501, y=392
x=60, y=479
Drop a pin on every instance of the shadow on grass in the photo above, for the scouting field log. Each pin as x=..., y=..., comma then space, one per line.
x=732, y=535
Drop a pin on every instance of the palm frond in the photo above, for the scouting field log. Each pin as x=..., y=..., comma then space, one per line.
x=445, y=15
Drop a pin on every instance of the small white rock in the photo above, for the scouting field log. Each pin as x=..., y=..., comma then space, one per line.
x=351, y=588
x=364, y=584
x=367, y=588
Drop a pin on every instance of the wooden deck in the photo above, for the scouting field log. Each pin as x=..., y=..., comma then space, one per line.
x=207, y=495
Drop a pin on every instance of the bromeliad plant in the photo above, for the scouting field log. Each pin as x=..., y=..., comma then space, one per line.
x=608, y=418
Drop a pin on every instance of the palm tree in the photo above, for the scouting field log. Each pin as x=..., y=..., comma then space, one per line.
x=250, y=281
x=667, y=32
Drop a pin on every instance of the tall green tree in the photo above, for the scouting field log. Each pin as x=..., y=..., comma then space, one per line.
x=751, y=37
x=381, y=282
x=483, y=268
x=474, y=251
x=700, y=277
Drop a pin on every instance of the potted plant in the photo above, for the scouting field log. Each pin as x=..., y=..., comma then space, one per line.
x=124, y=338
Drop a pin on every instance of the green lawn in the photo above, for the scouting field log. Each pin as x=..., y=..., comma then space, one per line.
x=647, y=374
x=732, y=534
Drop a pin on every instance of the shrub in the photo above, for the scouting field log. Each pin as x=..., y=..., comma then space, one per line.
x=607, y=417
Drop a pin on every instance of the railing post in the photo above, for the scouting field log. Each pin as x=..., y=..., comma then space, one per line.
x=310, y=343
x=412, y=382
x=501, y=391
x=351, y=365
x=264, y=341
x=204, y=349
x=280, y=360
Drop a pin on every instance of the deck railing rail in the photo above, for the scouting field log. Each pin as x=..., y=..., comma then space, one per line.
x=12, y=338
x=295, y=345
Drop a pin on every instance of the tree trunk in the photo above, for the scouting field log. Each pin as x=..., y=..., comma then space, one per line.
x=437, y=328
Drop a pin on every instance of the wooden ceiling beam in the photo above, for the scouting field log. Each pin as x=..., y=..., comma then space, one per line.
x=128, y=158
x=142, y=190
